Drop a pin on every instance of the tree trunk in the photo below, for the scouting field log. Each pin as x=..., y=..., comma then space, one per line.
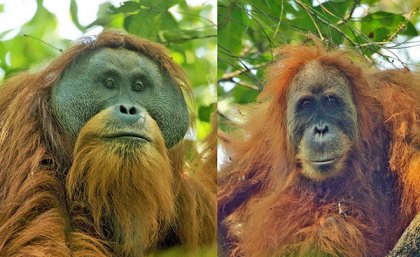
x=409, y=243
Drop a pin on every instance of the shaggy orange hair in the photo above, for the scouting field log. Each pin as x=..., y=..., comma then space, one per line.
x=38, y=217
x=267, y=208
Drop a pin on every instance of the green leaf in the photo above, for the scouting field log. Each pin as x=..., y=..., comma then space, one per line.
x=126, y=7
x=142, y=24
x=369, y=2
x=333, y=11
x=267, y=7
x=161, y=4
x=244, y=95
x=380, y=20
x=204, y=112
x=380, y=34
x=410, y=30
x=370, y=48
x=74, y=16
x=168, y=22
x=230, y=27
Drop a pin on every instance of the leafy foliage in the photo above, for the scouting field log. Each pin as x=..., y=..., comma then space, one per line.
x=250, y=30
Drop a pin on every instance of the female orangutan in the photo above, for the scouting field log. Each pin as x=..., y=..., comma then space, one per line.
x=328, y=162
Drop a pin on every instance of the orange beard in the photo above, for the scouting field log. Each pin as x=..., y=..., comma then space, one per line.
x=121, y=188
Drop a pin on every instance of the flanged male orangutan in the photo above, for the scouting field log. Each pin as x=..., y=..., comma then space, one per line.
x=91, y=155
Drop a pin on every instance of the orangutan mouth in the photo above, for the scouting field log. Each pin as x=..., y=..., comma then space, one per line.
x=128, y=135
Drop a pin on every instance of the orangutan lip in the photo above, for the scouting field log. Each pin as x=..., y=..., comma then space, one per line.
x=130, y=135
x=323, y=162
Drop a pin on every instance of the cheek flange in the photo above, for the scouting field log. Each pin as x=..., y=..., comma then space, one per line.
x=80, y=93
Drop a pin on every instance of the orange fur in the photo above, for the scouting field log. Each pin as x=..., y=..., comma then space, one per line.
x=130, y=187
x=400, y=96
x=267, y=208
x=43, y=215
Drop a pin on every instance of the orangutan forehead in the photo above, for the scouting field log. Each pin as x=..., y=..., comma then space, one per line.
x=317, y=78
x=120, y=58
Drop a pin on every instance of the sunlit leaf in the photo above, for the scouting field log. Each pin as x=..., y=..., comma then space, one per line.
x=126, y=7
x=230, y=28
x=204, y=112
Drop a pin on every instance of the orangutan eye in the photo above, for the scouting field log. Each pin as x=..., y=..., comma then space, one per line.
x=138, y=86
x=306, y=104
x=109, y=83
x=331, y=101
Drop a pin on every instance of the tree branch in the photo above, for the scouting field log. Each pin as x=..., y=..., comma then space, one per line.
x=403, y=24
x=409, y=243
x=348, y=16
x=231, y=75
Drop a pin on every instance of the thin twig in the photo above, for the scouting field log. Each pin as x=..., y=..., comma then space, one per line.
x=310, y=11
x=260, y=85
x=350, y=14
x=265, y=33
x=230, y=75
x=186, y=39
x=226, y=118
x=247, y=85
x=396, y=57
x=310, y=16
x=394, y=46
x=241, y=83
x=403, y=24
x=40, y=40
x=280, y=18
x=328, y=11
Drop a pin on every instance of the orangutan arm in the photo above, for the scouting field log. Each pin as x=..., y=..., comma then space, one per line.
x=399, y=94
x=296, y=227
x=400, y=97
x=197, y=216
x=197, y=197
x=32, y=221
x=333, y=235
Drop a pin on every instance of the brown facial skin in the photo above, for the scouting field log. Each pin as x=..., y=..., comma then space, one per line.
x=321, y=120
